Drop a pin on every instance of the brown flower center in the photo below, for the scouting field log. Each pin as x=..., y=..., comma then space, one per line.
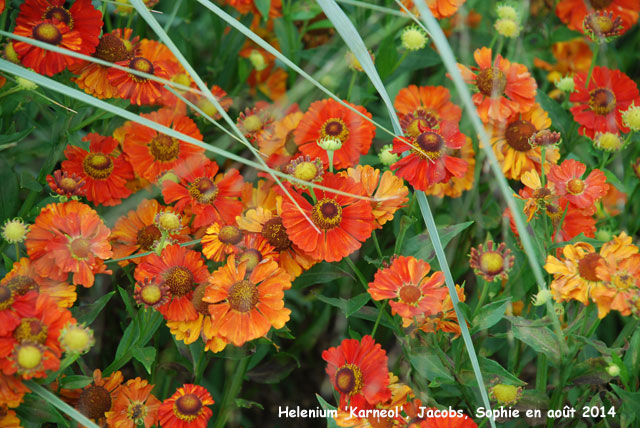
x=602, y=101
x=187, y=407
x=179, y=280
x=68, y=184
x=326, y=214
x=147, y=236
x=335, y=128
x=140, y=64
x=21, y=285
x=575, y=186
x=409, y=293
x=80, y=248
x=518, y=133
x=230, y=235
x=600, y=4
x=200, y=305
x=151, y=294
x=94, y=402
x=252, y=256
x=491, y=82
x=47, y=32
x=164, y=148
x=31, y=330
x=203, y=190
x=6, y=297
x=243, y=296
x=98, y=166
x=349, y=379
x=59, y=13
x=420, y=118
x=274, y=232
x=491, y=263
x=587, y=266
x=136, y=412
x=111, y=48
x=430, y=144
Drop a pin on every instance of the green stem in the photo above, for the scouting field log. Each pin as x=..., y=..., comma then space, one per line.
x=541, y=374
x=97, y=115
x=358, y=273
x=17, y=251
x=380, y=311
x=353, y=81
x=53, y=399
x=593, y=64
x=483, y=295
x=231, y=392
x=330, y=156
x=626, y=331
x=377, y=244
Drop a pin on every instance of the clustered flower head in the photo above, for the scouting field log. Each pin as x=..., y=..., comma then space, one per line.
x=491, y=263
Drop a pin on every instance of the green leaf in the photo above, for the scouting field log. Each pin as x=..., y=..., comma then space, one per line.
x=613, y=179
x=560, y=119
x=8, y=191
x=420, y=246
x=630, y=401
x=129, y=338
x=49, y=397
x=263, y=6
x=146, y=356
x=15, y=137
x=321, y=273
x=75, y=381
x=632, y=356
x=331, y=423
x=323, y=23
x=128, y=302
x=301, y=11
x=348, y=306
x=246, y=404
x=538, y=337
x=428, y=365
x=88, y=313
x=28, y=181
x=34, y=410
x=492, y=368
x=489, y=315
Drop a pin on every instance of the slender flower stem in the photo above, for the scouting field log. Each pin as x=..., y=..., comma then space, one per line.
x=483, y=295
x=231, y=392
x=351, y=83
x=17, y=251
x=377, y=244
x=594, y=59
x=541, y=374
x=381, y=310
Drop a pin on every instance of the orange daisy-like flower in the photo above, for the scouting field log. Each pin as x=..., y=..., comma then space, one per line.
x=103, y=169
x=430, y=160
x=221, y=240
x=620, y=274
x=598, y=106
x=136, y=232
x=344, y=221
x=151, y=153
x=187, y=408
x=567, y=178
x=249, y=6
x=246, y=305
x=8, y=418
x=181, y=270
x=448, y=421
x=281, y=140
x=152, y=58
x=256, y=123
x=66, y=185
x=491, y=263
x=69, y=237
x=48, y=21
x=207, y=106
x=358, y=371
x=97, y=398
x=208, y=195
x=330, y=119
x=134, y=405
x=445, y=320
x=408, y=282
x=573, y=12
x=269, y=225
x=457, y=185
x=425, y=105
x=439, y=8
x=14, y=306
x=254, y=249
x=23, y=278
x=572, y=56
x=389, y=191
x=113, y=47
x=12, y=390
x=512, y=146
x=504, y=88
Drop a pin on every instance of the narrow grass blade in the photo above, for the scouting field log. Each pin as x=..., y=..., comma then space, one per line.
x=365, y=5
x=53, y=399
x=450, y=63
x=352, y=38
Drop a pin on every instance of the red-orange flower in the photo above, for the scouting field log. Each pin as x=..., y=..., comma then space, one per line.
x=430, y=160
x=187, y=408
x=439, y=8
x=245, y=305
x=134, y=405
x=11, y=390
x=330, y=119
x=151, y=153
x=358, y=371
x=504, y=88
x=181, y=270
x=14, y=306
x=103, y=169
x=249, y=6
x=408, y=282
x=23, y=278
x=598, y=106
x=208, y=195
x=344, y=221
x=425, y=105
x=567, y=178
x=76, y=29
x=573, y=12
x=97, y=398
x=137, y=232
x=69, y=237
